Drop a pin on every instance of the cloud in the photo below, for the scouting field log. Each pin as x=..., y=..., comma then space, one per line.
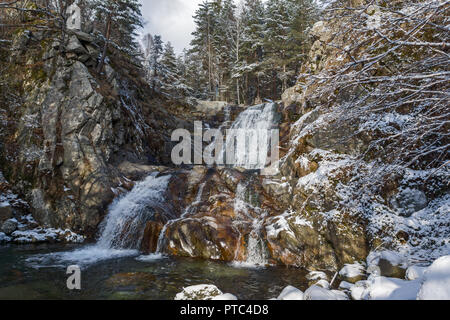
x=172, y=19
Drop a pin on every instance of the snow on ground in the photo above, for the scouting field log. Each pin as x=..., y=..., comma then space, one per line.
x=436, y=281
x=44, y=235
x=203, y=292
x=432, y=283
x=290, y=293
x=318, y=293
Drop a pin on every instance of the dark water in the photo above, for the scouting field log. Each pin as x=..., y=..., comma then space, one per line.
x=21, y=277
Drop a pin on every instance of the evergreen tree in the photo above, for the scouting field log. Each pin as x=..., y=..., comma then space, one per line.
x=120, y=19
x=169, y=74
x=155, y=70
x=252, y=51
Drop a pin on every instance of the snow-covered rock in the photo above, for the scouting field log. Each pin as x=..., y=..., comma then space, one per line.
x=40, y=235
x=386, y=263
x=9, y=226
x=4, y=237
x=383, y=288
x=319, y=293
x=352, y=272
x=290, y=293
x=316, y=275
x=415, y=272
x=225, y=296
x=344, y=285
x=199, y=292
x=436, y=281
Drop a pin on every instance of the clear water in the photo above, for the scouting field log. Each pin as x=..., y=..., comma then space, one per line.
x=38, y=272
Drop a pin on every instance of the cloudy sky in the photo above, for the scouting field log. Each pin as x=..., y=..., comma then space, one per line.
x=172, y=19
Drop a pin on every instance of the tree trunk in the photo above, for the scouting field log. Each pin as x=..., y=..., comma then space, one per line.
x=105, y=48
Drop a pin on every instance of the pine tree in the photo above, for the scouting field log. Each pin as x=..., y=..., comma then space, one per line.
x=121, y=20
x=154, y=65
x=169, y=74
x=252, y=51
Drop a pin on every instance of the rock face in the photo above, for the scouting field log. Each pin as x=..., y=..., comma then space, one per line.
x=63, y=147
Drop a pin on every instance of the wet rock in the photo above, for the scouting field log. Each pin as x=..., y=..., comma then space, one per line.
x=149, y=242
x=9, y=226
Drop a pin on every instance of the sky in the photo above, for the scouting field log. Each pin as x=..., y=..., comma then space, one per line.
x=172, y=19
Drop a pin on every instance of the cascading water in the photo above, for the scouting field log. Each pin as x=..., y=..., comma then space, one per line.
x=256, y=251
x=124, y=225
x=255, y=122
x=121, y=231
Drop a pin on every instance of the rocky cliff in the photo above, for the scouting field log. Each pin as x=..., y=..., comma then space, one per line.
x=72, y=139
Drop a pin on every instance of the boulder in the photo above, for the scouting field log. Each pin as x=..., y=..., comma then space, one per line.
x=352, y=272
x=9, y=226
x=75, y=46
x=199, y=292
x=319, y=293
x=6, y=211
x=436, y=281
x=290, y=293
x=407, y=201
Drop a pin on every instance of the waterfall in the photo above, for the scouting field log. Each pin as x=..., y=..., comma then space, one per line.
x=122, y=229
x=256, y=122
x=124, y=225
x=256, y=250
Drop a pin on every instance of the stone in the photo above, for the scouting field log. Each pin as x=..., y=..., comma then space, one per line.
x=199, y=292
x=318, y=293
x=74, y=46
x=290, y=293
x=387, y=269
x=6, y=211
x=408, y=201
x=9, y=226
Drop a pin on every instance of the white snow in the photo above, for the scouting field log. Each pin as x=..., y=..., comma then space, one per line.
x=4, y=237
x=383, y=288
x=432, y=283
x=436, y=281
x=319, y=293
x=415, y=272
x=224, y=297
x=290, y=293
x=352, y=270
x=199, y=292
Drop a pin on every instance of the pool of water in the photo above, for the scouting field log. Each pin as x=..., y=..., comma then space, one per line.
x=39, y=272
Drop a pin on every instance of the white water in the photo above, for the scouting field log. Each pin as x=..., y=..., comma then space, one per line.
x=256, y=123
x=124, y=225
x=121, y=231
x=256, y=252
